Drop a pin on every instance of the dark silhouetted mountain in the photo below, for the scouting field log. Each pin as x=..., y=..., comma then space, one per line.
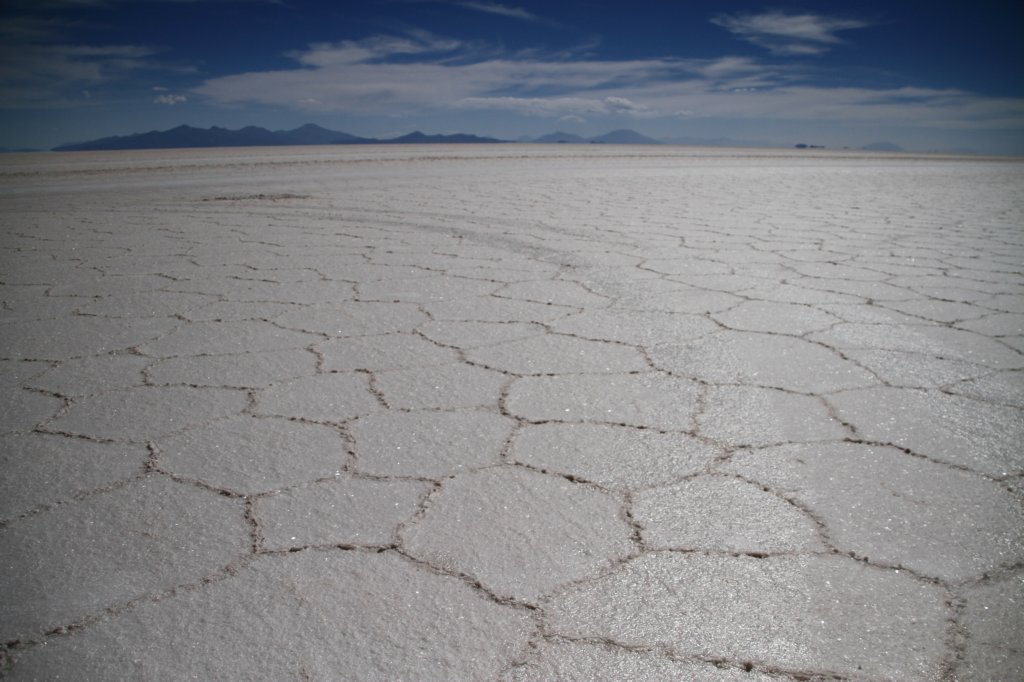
x=624, y=137
x=185, y=136
x=252, y=136
x=615, y=137
x=560, y=137
x=882, y=147
x=458, y=138
x=314, y=134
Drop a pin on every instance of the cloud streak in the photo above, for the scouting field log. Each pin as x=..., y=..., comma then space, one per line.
x=376, y=48
x=40, y=75
x=423, y=73
x=788, y=34
x=501, y=10
x=41, y=67
x=560, y=107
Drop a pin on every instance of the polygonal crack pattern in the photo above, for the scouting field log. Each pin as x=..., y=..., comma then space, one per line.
x=520, y=533
x=601, y=415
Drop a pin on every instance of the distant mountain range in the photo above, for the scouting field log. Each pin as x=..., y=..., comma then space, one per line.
x=614, y=137
x=252, y=136
x=882, y=147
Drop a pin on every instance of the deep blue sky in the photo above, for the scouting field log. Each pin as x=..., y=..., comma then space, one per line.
x=925, y=75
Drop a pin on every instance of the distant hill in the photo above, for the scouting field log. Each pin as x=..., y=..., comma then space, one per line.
x=458, y=138
x=560, y=138
x=615, y=137
x=882, y=147
x=182, y=136
x=314, y=134
x=624, y=137
x=252, y=136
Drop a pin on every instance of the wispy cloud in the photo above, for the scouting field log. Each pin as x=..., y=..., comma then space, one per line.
x=423, y=73
x=170, y=100
x=418, y=71
x=34, y=75
x=788, y=34
x=376, y=48
x=502, y=10
x=41, y=64
x=562, y=107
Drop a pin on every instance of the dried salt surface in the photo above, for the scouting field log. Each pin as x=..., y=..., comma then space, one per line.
x=428, y=443
x=79, y=559
x=994, y=619
x=332, y=398
x=94, y=374
x=21, y=410
x=511, y=413
x=388, y=351
x=342, y=613
x=819, y=612
x=28, y=461
x=883, y=504
x=564, y=660
x=643, y=400
x=946, y=428
x=342, y=510
x=145, y=412
x=250, y=369
x=777, y=361
x=252, y=455
x=715, y=513
x=521, y=534
x=615, y=457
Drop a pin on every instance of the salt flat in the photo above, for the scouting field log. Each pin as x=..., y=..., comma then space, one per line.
x=511, y=412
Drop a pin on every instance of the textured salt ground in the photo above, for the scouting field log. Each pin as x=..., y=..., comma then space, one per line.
x=511, y=413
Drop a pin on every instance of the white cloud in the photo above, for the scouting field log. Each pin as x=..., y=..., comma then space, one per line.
x=727, y=66
x=44, y=75
x=621, y=105
x=422, y=73
x=377, y=48
x=385, y=75
x=554, y=106
x=502, y=10
x=361, y=77
x=788, y=34
x=169, y=99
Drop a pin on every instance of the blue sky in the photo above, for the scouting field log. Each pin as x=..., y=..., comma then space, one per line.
x=924, y=75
